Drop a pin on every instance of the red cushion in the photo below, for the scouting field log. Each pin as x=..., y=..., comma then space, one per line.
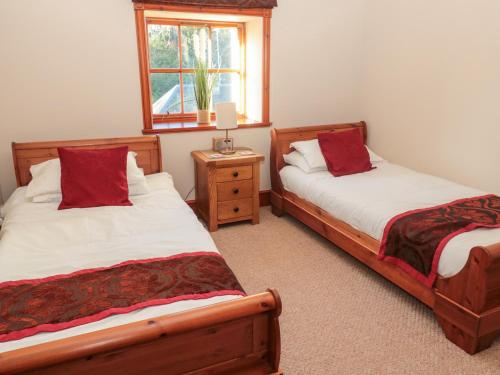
x=344, y=152
x=93, y=178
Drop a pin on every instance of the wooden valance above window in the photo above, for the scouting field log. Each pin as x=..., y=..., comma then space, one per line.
x=239, y=4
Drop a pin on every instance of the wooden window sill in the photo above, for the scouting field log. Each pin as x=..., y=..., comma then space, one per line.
x=178, y=127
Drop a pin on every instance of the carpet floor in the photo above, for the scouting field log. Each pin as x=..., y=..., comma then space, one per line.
x=339, y=317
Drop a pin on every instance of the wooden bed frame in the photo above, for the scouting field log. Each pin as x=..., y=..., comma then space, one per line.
x=467, y=305
x=237, y=337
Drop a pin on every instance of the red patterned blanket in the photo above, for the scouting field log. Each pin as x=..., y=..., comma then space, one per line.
x=415, y=240
x=54, y=303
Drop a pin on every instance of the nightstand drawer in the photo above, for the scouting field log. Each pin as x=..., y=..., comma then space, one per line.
x=228, y=191
x=234, y=209
x=234, y=173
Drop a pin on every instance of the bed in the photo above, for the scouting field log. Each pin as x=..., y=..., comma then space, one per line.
x=218, y=334
x=352, y=212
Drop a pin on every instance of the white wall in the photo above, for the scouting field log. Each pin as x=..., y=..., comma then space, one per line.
x=431, y=86
x=254, y=68
x=68, y=69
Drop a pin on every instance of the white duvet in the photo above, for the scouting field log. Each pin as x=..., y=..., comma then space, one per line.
x=37, y=241
x=367, y=201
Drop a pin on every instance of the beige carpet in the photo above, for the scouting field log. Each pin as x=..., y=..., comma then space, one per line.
x=339, y=317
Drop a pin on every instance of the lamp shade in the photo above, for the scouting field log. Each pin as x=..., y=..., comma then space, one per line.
x=226, y=116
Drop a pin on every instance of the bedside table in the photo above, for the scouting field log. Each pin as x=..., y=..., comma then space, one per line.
x=227, y=188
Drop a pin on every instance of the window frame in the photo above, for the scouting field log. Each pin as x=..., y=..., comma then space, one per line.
x=187, y=121
x=191, y=116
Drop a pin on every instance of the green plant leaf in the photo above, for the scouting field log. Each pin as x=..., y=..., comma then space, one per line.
x=204, y=83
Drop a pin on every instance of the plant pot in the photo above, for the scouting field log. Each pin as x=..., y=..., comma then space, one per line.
x=203, y=116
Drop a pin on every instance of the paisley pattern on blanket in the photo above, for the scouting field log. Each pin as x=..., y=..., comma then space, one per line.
x=28, y=307
x=415, y=240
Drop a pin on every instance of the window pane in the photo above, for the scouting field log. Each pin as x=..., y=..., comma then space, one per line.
x=165, y=93
x=163, y=46
x=227, y=89
x=194, y=41
x=225, y=48
x=189, y=99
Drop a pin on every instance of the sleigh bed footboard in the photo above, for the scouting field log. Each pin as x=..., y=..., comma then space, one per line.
x=467, y=305
x=240, y=336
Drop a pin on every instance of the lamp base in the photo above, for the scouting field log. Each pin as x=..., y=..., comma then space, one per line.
x=227, y=152
x=229, y=149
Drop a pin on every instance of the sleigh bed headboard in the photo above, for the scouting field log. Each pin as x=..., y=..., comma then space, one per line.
x=281, y=139
x=25, y=155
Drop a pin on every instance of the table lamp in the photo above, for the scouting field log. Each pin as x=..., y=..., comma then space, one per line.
x=226, y=117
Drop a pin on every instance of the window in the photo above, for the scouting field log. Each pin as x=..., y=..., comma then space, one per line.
x=173, y=49
x=234, y=43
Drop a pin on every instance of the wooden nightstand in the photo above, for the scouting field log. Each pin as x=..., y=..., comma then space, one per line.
x=227, y=189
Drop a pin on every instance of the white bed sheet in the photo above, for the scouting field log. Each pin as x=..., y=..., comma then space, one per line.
x=37, y=241
x=367, y=201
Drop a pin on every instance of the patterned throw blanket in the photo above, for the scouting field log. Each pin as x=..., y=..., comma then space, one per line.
x=415, y=240
x=51, y=304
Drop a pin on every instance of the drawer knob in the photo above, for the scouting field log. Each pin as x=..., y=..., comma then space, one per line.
x=236, y=209
x=236, y=174
x=236, y=191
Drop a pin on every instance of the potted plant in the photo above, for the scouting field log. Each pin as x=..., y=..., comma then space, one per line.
x=204, y=82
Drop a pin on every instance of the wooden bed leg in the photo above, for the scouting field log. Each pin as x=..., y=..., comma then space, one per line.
x=277, y=204
x=469, y=343
x=277, y=211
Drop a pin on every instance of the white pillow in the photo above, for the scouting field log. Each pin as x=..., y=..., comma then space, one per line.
x=311, y=151
x=45, y=179
x=312, y=154
x=139, y=188
x=134, y=173
x=45, y=185
x=374, y=158
x=46, y=198
x=137, y=184
x=296, y=159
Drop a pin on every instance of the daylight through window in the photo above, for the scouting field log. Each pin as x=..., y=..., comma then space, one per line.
x=175, y=46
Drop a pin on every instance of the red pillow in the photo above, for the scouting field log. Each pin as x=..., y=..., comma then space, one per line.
x=93, y=178
x=344, y=152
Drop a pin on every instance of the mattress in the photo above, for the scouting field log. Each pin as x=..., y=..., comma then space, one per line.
x=367, y=201
x=37, y=241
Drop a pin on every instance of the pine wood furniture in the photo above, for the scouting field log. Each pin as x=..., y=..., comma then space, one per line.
x=237, y=337
x=467, y=305
x=227, y=189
